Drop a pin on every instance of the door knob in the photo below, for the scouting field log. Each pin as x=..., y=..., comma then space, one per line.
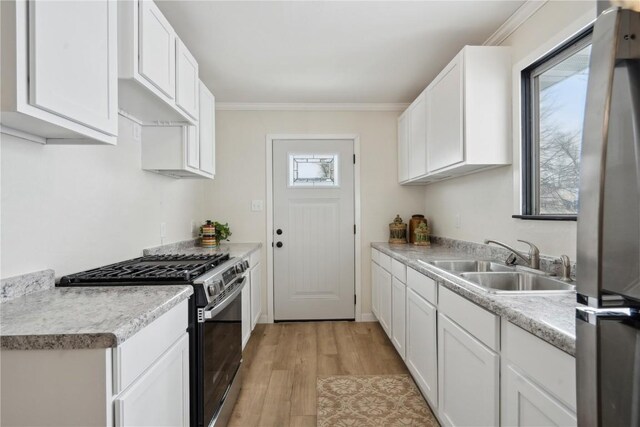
x=279, y=244
x=279, y=231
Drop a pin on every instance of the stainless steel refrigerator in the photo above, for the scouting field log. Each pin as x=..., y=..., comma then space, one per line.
x=608, y=276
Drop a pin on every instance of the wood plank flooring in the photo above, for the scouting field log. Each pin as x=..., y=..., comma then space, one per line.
x=282, y=361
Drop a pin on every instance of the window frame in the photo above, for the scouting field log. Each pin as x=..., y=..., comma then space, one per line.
x=529, y=118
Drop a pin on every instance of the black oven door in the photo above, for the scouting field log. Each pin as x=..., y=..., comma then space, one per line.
x=220, y=332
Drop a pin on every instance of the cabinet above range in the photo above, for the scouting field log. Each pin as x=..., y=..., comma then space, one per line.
x=461, y=123
x=158, y=76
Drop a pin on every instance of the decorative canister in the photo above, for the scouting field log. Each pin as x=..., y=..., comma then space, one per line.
x=397, y=231
x=208, y=235
x=422, y=235
x=415, y=220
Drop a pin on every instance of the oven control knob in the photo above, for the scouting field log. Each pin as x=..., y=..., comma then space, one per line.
x=215, y=288
x=246, y=265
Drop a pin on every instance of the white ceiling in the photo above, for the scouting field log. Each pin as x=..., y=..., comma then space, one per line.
x=328, y=51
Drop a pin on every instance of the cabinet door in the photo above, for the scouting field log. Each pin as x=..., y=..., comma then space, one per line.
x=256, y=294
x=193, y=147
x=418, y=137
x=445, y=117
x=73, y=61
x=246, y=312
x=421, y=346
x=161, y=395
x=187, y=82
x=398, y=315
x=157, y=48
x=384, y=298
x=403, y=147
x=375, y=291
x=526, y=404
x=207, y=127
x=468, y=378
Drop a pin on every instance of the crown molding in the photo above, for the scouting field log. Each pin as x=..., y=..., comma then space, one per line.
x=269, y=106
x=523, y=13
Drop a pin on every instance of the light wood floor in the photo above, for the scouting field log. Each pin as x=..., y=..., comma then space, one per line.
x=282, y=361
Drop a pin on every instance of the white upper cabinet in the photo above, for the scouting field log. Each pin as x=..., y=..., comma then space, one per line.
x=403, y=147
x=467, y=113
x=207, y=131
x=180, y=150
x=158, y=75
x=59, y=71
x=417, y=137
x=445, y=117
x=157, y=48
x=188, y=84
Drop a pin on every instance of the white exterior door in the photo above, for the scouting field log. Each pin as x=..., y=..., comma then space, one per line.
x=314, y=239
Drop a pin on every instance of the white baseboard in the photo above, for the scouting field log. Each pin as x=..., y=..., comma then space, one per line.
x=368, y=317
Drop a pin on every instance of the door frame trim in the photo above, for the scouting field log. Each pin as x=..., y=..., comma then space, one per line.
x=269, y=211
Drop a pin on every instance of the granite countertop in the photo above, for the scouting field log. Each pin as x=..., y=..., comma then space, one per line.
x=549, y=317
x=189, y=247
x=84, y=317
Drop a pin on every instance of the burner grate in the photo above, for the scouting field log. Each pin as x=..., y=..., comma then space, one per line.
x=171, y=267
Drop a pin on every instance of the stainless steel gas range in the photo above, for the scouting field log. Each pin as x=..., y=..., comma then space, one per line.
x=215, y=320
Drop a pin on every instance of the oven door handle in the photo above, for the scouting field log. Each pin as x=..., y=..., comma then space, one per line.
x=213, y=312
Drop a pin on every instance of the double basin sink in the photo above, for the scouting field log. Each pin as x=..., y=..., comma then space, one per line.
x=502, y=279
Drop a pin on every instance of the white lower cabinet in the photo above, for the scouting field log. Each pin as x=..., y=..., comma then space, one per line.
x=473, y=368
x=384, y=299
x=526, y=404
x=141, y=382
x=256, y=294
x=468, y=378
x=422, y=345
x=246, y=311
x=538, y=381
x=398, y=315
x=161, y=395
x=375, y=290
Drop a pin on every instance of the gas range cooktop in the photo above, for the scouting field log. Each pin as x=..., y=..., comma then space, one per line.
x=166, y=269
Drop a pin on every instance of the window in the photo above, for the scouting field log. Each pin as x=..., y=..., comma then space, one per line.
x=554, y=97
x=313, y=170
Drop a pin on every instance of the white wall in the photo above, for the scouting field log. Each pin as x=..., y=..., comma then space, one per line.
x=71, y=208
x=241, y=163
x=485, y=201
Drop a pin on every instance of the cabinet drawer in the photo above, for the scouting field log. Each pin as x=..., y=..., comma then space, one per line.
x=480, y=323
x=399, y=270
x=375, y=255
x=422, y=285
x=384, y=261
x=139, y=352
x=546, y=365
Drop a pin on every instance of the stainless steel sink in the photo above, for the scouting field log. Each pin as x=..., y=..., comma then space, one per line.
x=462, y=266
x=517, y=282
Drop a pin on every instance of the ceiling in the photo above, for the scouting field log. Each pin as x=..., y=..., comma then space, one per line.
x=328, y=51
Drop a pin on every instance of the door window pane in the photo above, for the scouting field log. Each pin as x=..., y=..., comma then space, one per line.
x=313, y=170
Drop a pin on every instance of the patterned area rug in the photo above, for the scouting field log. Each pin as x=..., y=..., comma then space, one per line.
x=371, y=400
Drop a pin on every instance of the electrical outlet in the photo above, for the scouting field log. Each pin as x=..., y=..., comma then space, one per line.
x=163, y=230
x=458, y=220
x=257, y=205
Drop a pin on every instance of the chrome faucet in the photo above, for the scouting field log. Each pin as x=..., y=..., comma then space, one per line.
x=532, y=259
x=565, y=269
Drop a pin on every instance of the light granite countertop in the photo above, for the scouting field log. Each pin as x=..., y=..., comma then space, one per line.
x=189, y=247
x=84, y=317
x=549, y=317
